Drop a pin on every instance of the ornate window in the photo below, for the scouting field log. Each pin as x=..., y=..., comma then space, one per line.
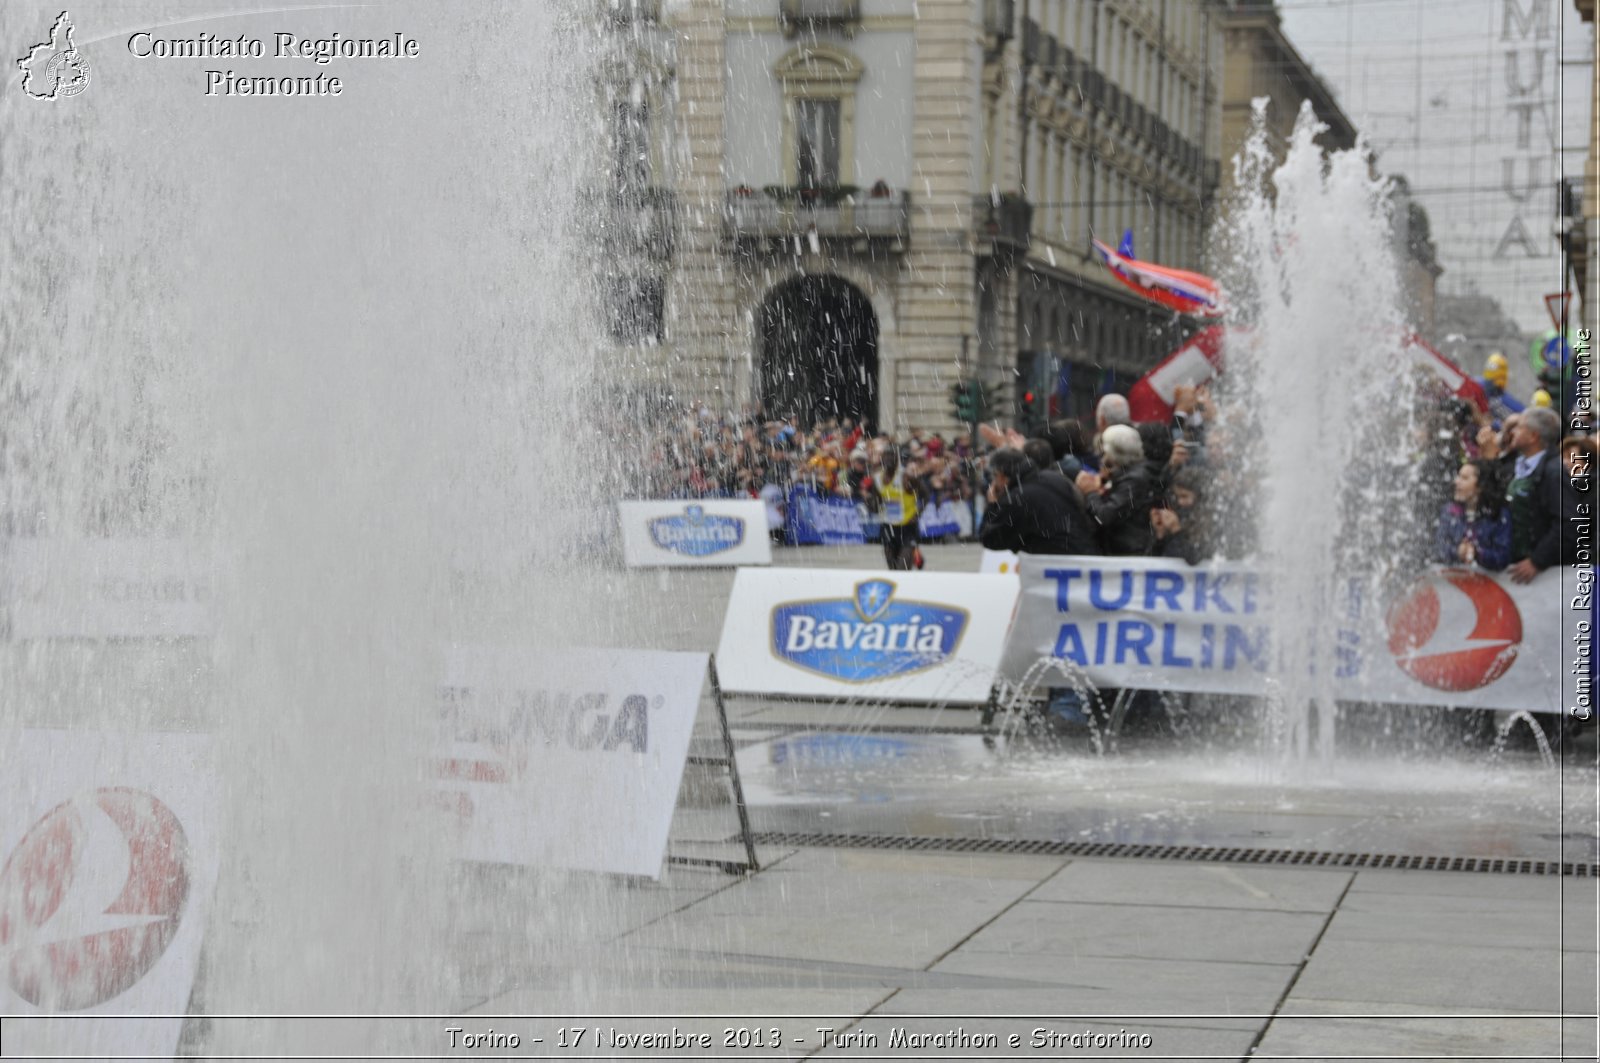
x=819, y=112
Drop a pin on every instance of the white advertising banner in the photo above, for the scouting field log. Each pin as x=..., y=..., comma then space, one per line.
x=999, y=562
x=570, y=758
x=711, y=532
x=931, y=637
x=106, y=588
x=1455, y=636
x=108, y=859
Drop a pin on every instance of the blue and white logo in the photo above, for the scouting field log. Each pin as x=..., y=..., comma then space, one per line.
x=867, y=637
x=697, y=533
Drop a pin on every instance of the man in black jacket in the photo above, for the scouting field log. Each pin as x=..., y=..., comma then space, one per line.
x=1536, y=495
x=1082, y=537
x=1029, y=512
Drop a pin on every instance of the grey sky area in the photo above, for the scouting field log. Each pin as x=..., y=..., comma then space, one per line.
x=1482, y=104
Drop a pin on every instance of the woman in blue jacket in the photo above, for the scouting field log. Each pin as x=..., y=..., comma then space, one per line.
x=1475, y=528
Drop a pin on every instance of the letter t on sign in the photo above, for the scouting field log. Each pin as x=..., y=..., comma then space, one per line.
x=1062, y=576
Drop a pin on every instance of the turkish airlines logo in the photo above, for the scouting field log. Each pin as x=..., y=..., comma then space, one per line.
x=1456, y=630
x=91, y=898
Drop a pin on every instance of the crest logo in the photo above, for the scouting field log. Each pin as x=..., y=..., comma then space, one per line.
x=868, y=636
x=91, y=898
x=697, y=533
x=872, y=598
x=1455, y=630
x=55, y=69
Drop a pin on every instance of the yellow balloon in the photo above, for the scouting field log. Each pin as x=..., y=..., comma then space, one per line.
x=1541, y=398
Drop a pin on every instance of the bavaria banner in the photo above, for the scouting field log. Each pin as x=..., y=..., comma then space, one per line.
x=904, y=636
x=566, y=758
x=822, y=520
x=1455, y=637
x=715, y=531
x=108, y=860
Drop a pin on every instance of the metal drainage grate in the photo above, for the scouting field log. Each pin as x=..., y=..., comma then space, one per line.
x=1209, y=854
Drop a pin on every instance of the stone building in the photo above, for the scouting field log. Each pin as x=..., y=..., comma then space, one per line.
x=878, y=198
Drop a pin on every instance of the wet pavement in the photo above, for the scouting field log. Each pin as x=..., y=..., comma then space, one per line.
x=868, y=931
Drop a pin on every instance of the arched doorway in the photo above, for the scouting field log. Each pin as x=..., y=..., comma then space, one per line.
x=819, y=351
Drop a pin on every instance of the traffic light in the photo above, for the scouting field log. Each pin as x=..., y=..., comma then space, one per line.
x=969, y=401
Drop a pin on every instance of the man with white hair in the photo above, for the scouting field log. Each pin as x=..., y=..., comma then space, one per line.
x=1120, y=496
x=1535, y=494
x=1111, y=409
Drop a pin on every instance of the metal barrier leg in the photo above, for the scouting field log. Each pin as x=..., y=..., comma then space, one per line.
x=731, y=762
x=733, y=766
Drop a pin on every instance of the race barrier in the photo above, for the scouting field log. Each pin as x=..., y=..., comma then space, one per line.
x=813, y=519
x=569, y=758
x=105, y=588
x=918, y=636
x=1457, y=637
x=108, y=862
x=999, y=562
x=713, y=532
x=950, y=517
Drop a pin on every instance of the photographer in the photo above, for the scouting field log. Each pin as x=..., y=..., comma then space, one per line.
x=1025, y=514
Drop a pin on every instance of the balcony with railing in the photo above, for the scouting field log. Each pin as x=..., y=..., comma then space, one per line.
x=812, y=13
x=784, y=213
x=1002, y=225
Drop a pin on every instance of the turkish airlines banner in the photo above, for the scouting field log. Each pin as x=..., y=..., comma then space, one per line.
x=1455, y=637
x=109, y=849
x=570, y=758
x=713, y=532
x=933, y=637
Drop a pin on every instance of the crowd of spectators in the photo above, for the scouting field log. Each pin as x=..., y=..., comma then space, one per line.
x=699, y=454
x=1499, y=495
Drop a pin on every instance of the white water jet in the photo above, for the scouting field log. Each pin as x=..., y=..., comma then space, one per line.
x=343, y=348
x=1320, y=397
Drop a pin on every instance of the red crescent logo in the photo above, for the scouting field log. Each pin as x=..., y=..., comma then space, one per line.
x=70, y=938
x=1461, y=639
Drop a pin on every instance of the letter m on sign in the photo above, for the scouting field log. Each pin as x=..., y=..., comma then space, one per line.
x=1532, y=20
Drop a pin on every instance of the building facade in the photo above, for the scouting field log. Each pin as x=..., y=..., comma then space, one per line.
x=879, y=198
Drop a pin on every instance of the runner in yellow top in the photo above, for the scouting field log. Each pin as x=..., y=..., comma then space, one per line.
x=897, y=501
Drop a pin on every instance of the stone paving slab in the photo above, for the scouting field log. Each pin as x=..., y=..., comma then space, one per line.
x=1151, y=932
x=1133, y=987
x=855, y=907
x=1511, y=922
x=1195, y=885
x=1435, y=973
x=1548, y=889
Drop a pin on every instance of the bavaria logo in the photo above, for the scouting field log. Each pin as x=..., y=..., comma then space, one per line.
x=697, y=533
x=1455, y=630
x=868, y=637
